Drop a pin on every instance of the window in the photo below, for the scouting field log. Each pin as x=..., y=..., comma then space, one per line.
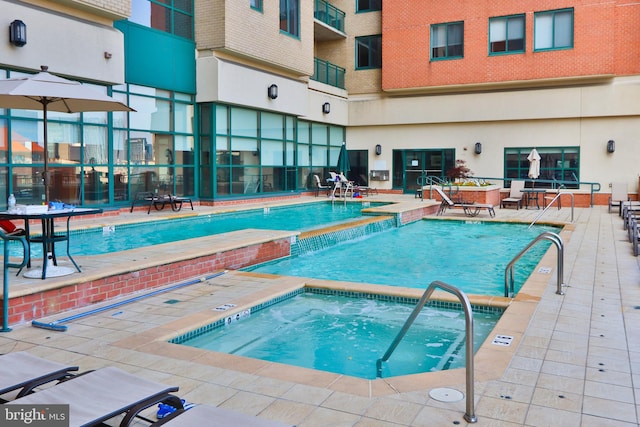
x=290, y=17
x=553, y=30
x=256, y=4
x=506, y=34
x=559, y=166
x=173, y=17
x=447, y=40
x=368, y=52
x=368, y=5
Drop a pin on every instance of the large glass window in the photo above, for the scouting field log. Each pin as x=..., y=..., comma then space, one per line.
x=559, y=166
x=368, y=52
x=506, y=34
x=447, y=40
x=368, y=5
x=290, y=17
x=170, y=16
x=553, y=29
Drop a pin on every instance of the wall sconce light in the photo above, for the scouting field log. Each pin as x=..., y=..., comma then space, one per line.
x=611, y=146
x=478, y=148
x=107, y=55
x=326, y=108
x=18, y=33
x=378, y=149
x=272, y=91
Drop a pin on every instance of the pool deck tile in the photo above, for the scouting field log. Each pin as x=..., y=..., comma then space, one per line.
x=574, y=359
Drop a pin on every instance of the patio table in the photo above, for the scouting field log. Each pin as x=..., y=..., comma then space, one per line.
x=49, y=238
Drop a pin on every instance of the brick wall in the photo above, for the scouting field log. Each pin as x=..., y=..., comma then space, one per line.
x=40, y=304
x=603, y=32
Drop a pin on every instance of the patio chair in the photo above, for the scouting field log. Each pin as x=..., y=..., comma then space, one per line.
x=515, y=195
x=206, y=415
x=10, y=228
x=469, y=209
x=102, y=394
x=22, y=372
x=320, y=186
x=619, y=194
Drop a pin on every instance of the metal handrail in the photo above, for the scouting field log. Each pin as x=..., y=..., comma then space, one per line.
x=551, y=203
x=469, y=416
x=555, y=183
x=508, y=272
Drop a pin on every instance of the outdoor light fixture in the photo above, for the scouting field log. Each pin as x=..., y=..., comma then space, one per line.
x=272, y=91
x=478, y=147
x=611, y=146
x=326, y=108
x=378, y=149
x=18, y=33
x=107, y=55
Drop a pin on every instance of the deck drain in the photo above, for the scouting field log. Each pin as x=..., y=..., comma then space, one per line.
x=172, y=301
x=446, y=395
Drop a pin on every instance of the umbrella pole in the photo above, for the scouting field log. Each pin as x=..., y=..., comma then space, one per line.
x=45, y=178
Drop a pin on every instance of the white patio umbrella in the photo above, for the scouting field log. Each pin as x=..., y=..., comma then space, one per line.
x=534, y=164
x=47, y=92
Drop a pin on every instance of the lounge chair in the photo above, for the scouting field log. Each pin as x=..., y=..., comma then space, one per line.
x=206, y=415
x=102, y=394
x=619, y=194
x=320, y=186
x=22, y=372
x=515, y=195
x=469, y=209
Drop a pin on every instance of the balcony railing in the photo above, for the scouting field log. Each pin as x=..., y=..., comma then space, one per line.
x=329, y=14
x=328, y=73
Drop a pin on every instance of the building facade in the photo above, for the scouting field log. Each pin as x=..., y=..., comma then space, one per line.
x=249, y=98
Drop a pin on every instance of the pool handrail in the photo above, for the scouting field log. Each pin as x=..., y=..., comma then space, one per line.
x=508, y=271
x=469, y=416
x=557, y=197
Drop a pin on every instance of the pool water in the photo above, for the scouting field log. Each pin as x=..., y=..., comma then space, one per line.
x=300, y=217
x=470, y=255
x=347, y=335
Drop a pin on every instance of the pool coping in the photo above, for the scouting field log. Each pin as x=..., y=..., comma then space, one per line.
x=490, y=361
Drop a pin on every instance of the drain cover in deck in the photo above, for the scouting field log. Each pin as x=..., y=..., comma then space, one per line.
x=446, y=395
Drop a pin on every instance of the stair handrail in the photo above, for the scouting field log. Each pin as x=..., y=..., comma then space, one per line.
x=469, y=415
x=557, y=197
x=547, y=235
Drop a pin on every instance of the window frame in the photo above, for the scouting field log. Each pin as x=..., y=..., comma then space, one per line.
x=291, y=24
x=365, y=41
x=447, y=46
x=558, y=163
x=553, y=14
x=372, y=6
x=506, y=19
x=256, y=5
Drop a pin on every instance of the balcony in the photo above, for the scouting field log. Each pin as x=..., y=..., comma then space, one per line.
x=329, y=21
x=328, y=73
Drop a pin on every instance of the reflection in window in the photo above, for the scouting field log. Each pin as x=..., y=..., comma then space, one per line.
x=368, y=52
x=171, y=17
x=447, y=40
x=553, y=29
x=290, y=17
x=506, y=34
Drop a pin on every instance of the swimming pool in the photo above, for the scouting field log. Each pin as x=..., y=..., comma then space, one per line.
x=471, y=255
x=346, y=333
x=301, y=217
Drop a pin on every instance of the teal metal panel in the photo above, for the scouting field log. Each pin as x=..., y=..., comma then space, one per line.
x=157, y=59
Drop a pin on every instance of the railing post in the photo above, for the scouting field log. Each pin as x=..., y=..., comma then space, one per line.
x=469, y=415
